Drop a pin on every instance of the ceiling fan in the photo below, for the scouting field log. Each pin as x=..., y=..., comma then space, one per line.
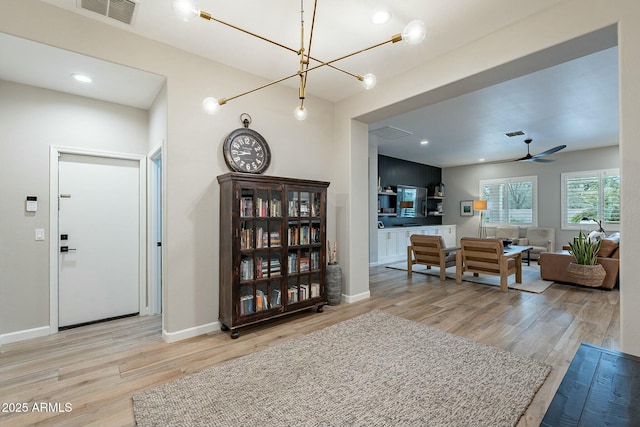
x=539, y=157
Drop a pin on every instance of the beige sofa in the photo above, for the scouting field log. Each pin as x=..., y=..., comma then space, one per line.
x=542, y=239
x=553, y=265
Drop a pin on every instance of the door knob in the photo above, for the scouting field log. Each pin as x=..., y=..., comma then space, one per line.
x=66, y=249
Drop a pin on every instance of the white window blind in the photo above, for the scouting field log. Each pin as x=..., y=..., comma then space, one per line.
x=589, y=197
x=510, y=201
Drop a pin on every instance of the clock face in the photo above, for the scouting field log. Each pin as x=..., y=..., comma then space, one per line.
x=245, y=150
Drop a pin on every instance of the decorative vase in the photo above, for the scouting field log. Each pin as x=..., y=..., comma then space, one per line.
x=334, y=284
x=587, y=275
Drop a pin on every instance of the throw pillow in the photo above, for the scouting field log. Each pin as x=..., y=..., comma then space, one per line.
x=615, y=237
x=607, y=247
x=594, y=236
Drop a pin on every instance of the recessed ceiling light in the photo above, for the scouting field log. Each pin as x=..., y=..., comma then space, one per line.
x=481, y=160
x=424, y=142
x=82, y=78
x=381, y=16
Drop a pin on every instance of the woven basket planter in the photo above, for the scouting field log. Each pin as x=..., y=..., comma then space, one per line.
x=587, y=275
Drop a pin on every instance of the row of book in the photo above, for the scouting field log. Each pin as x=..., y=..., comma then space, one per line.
x=246, y=269
x=271, y=207
x=311, y=261
x=302, y=208
x=304, y=292
x=249, y=304
x=263, y=208
x=268, y=268
x=302, y=235
x=272, y=267
x=264, y=239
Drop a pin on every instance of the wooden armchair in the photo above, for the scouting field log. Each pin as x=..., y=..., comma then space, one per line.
x=430, y=251
x=487, y=256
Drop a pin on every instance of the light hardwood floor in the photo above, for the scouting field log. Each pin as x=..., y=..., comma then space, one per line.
x=97, y=368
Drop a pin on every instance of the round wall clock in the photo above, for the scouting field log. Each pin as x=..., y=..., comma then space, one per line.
x=245, y=150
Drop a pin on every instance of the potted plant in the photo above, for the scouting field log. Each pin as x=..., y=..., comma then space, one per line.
x=585, y=269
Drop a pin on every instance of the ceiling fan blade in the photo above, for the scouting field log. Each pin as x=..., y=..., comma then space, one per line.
x=526, y=158
x=495, y=162
x=539, y=160
x=550, y=151
x=533, y=158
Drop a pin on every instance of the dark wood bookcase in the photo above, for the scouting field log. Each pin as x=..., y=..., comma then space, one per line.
x=272, y=248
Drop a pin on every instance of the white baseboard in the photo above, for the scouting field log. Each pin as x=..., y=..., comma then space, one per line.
x=27, y=334
x=356, y=298
x=184, y=334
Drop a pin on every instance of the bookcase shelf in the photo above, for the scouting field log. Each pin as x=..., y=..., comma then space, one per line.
x=272, y=248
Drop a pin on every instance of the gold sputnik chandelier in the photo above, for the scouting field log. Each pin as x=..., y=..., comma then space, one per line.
x=412, y=34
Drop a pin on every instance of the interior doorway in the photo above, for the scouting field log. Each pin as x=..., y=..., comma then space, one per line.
x=154, y=248
x=98, y=235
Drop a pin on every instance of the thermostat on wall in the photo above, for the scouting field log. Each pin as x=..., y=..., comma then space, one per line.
x=32, y=203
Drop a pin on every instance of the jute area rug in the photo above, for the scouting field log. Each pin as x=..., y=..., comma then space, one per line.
x=531, y=280
x=373, y=370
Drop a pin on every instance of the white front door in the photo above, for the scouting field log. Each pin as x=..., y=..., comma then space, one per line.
x=98, y=227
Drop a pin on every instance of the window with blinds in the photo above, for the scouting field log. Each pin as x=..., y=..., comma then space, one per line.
x=510, y=201
x=589, y=197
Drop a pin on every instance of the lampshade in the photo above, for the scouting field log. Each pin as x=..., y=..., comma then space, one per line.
x=479, y=205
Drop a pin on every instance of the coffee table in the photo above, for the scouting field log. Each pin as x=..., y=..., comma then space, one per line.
x=521, y=249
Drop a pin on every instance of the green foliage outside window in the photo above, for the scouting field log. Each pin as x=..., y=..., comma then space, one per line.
x=595, y=196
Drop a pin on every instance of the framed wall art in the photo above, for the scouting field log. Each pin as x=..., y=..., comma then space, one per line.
x=466, y=208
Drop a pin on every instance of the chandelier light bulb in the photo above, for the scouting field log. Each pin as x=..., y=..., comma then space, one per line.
x=185, y=10
x=369, y=81
x=210, y=105
x=381, y=16
x=300, y=113
x=414, y=32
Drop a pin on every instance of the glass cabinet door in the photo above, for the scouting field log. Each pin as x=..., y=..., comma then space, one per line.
x=259, y=241
x=304, y=245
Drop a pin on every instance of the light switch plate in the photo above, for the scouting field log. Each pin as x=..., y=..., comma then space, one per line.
x=39, y=233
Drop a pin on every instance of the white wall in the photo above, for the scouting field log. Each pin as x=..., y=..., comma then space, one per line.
x=373, y=203
x=158, y=120
x=192, y=152
x=32, y=120
x=568, y=20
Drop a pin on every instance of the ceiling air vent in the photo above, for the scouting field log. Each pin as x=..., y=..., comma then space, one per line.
x=390, y=132
x=120, y=10
x=516, y=133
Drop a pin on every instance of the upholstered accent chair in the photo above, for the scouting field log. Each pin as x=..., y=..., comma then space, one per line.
x=542, y=240
x=430, y=251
